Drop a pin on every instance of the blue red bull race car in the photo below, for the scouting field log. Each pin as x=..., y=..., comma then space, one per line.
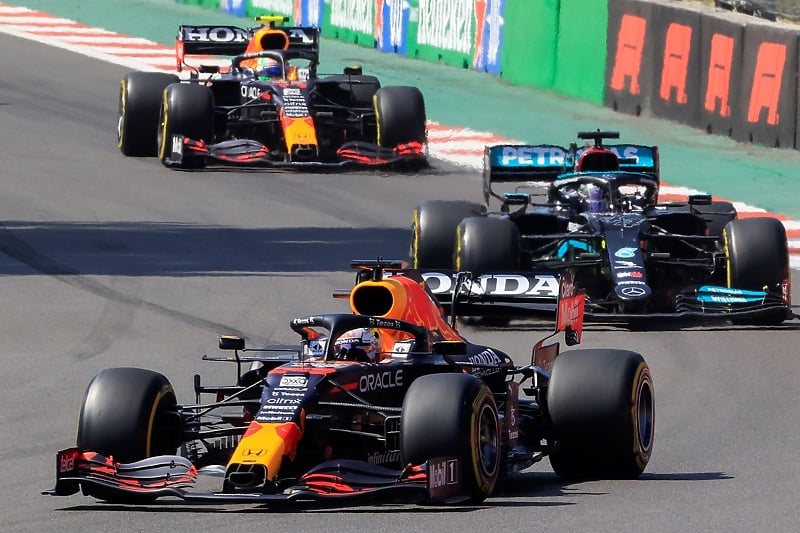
x=388, y=401
x=595, y=210
x=267, y=106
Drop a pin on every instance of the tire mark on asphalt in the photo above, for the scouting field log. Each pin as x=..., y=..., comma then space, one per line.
x=99, y=338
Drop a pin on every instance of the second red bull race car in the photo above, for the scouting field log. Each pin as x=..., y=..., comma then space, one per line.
x=388, y=401
x=268, y=106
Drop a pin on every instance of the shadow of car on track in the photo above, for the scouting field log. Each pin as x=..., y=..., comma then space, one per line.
x=526, y=489
x=175, y=249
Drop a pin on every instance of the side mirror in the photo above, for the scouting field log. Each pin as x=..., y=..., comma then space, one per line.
x=231, y=342
x=700, y=199
x=449, y=347
x=354, y=70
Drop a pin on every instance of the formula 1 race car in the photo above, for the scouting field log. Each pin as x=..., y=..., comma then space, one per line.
x=598, y=213
x=387, y=402
x=268, y=106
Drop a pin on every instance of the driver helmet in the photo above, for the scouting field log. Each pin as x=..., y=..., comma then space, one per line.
x=594, y=198
x=268, y=68
x=350, y=344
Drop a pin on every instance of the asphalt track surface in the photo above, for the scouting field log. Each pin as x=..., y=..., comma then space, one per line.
x=107, y=261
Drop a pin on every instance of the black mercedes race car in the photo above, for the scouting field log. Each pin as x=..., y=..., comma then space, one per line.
x=387, y=402
x=598, y=213
x=268, y=106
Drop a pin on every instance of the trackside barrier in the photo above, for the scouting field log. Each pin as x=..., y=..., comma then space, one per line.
x=559, y=45
x=726, y=73
x=720, y=71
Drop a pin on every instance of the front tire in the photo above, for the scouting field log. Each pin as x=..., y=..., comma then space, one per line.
x=129, y=414
x=602, y=406
x=400, y=116
x=433, y=232
x=187, y=109
x=487, y=245
x=758, y=258
x=139, y=103
x=453, y=414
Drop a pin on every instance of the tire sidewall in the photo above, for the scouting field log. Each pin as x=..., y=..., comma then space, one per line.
x=400, y=116
x=601, y=403
x=487, y=244
x=138, y=112
x=433, y=232
x=122, y=412
x=186, y=109
x=441, y=417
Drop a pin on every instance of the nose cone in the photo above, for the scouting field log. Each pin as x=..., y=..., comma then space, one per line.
x=633, y=291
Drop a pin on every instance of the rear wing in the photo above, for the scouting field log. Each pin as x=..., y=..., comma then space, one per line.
x=233, y=40
x=515, y=163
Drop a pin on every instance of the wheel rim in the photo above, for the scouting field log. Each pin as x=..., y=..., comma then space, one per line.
x=122, y=111
x=161, y=134
x=414, y=248
x=488, y=441
x=645, y=414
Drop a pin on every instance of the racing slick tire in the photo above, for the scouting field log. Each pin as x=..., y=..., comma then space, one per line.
x=447, y=415
x=758, y=258
x=433, y=231
x=139, y=102
x=187, y=109
x=487, y=245
x=129, y=414
x=602, y=406
x=400, y=116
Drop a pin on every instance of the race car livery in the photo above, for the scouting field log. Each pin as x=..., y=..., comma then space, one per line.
x=267, y=106
x=431, y=417
x=595, y=210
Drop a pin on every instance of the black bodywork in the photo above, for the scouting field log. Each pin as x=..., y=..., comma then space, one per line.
x=639, y=258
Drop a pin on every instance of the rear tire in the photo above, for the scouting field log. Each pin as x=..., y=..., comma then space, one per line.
x=758, y=258
x=487, y=245
x=453, y=414
x=400, y=116
x=187, y=109
x=602, y=405
x=139, y=103
x=128, y=414
x=433, y=232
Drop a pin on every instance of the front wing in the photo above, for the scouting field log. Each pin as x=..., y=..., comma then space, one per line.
x=175, y=476
x=247, y=152
x=529, y=294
